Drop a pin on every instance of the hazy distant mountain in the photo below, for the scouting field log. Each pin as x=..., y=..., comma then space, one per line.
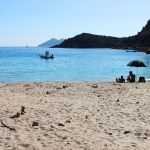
x=52, y=42
x=86, y=40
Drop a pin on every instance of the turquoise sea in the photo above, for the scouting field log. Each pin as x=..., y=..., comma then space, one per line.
x=20, y=64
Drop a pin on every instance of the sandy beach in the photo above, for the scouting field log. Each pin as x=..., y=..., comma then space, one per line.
x=75, y=116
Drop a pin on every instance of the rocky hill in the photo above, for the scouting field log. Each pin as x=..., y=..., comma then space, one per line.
x=52, y=42
x=86, y=40
x=139, y=42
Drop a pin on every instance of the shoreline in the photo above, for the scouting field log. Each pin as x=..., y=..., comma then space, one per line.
x=75, y=115
x=139, y=50
x=108, y=81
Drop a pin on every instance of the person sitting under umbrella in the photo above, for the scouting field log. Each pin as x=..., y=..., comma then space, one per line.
x=131, y=77
x=120, y=80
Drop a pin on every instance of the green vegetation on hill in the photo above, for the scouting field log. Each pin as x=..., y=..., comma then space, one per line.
x=139, y=42
x=86, y=40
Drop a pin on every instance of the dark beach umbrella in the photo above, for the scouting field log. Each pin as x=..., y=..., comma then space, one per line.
x=137, y=63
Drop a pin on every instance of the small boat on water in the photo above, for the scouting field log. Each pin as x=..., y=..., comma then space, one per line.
x=44, y=56
x=47, y=55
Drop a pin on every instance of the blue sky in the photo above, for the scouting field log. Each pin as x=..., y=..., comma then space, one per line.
x=33, y=22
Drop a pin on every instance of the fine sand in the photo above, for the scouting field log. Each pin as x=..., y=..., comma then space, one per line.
x=75, y=116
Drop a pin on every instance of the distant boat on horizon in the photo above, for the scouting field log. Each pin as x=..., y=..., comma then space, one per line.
x=27, y=46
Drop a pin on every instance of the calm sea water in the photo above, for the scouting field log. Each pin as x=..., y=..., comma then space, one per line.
x=20, y=64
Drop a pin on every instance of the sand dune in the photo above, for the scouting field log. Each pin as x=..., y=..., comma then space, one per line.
x=75, y=115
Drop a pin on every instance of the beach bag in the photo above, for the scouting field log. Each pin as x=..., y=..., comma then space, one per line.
x=141, y=79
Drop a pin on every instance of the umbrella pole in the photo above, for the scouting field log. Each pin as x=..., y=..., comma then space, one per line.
x=136, y=72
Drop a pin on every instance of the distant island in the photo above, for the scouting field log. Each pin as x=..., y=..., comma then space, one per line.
x=52, y=42
x=139, y=42
x=86, y=40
